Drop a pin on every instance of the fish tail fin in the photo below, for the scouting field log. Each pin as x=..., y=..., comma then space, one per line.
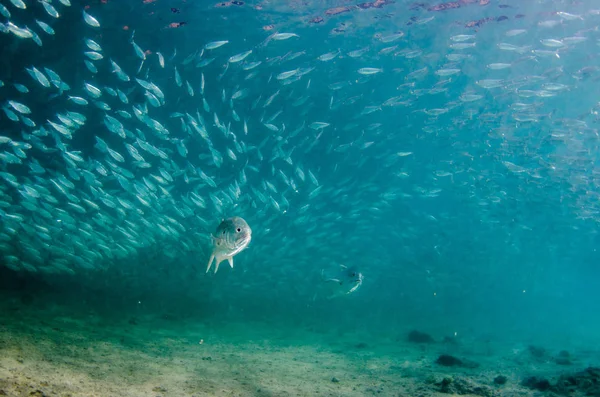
x=210, y=261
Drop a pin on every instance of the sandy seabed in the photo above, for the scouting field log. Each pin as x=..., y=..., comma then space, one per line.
x=70, y=356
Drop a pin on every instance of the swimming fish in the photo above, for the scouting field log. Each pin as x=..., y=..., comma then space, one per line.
x=232, y=237
x=347, y=280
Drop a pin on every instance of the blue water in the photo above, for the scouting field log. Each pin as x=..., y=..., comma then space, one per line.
x=458, y=179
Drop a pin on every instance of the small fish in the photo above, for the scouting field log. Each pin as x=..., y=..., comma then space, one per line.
x=138, y=51
x=91, y=67
x=37, y=40
x=391, y=37
x=387, y=50
x=232, y=236
x=122, y=96
x=178, y=78
x=93, y=91
x=283, y=36
x=45, y=27
x=38, y=76
x=21, y=88
x=328, y=56
x=515, y=32
x=205, y=62
x=552, y=43
x=318, y=125
x=286, y=75
x=358, y=53
x=4, y=12
x=462, y=37
x=490, y=83
x=23, y=33
x=568, y=17
x=369, y=110
x=436, y=112
x=470, y=97
x=50, y=9
x=423, y=21
x=498, y=66
x=110, y=91
x=94, y=56
x=10, y=114
x=555, y=86
x=190, y=90
x=462, y=46
x=512, y=47
x=90, y=20
x=272, y=127
x=574, y=40
x=240, y=57
x=215, y=44
x=369, y=71
x=92, y=45
x=447, y=72
x=78, y=101
x=152, y=99
x=27, y=121
x=251, y=65
x=545, y=53
x=19, y=107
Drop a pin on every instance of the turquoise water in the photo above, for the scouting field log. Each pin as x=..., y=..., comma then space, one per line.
x=445, y=152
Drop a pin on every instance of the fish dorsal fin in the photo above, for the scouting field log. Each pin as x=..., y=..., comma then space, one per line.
x=210, y=261
x=218, y=260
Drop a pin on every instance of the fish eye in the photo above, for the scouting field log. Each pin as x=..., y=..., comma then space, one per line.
x=239, y=230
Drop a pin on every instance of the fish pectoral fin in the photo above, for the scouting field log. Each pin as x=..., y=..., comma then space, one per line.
x=221, y=259
x=210, y=261
x=218, y=260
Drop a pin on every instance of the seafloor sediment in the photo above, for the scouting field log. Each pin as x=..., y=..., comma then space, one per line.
x=58, y=353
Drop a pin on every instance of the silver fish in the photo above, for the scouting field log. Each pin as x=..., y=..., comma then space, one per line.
x=232, y=236
x=345, y=281
x=215, y=44
x=45, y=27
x=239, y=57
x=283, y=36
x=90, y=20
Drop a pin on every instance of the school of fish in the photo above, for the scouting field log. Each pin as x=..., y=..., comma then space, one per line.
x=318, y=146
